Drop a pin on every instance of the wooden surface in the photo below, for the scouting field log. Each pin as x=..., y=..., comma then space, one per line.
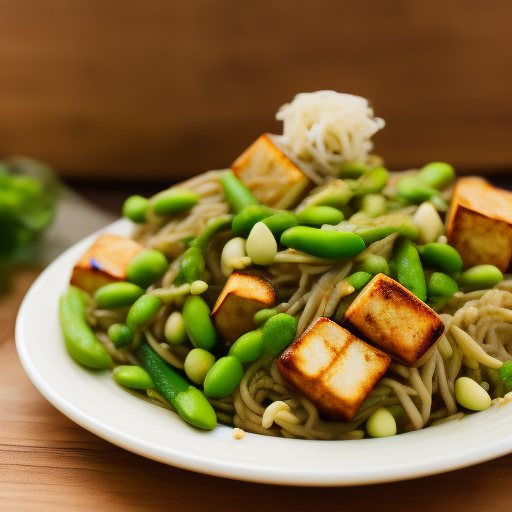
x=50, y=464
x=159, y=89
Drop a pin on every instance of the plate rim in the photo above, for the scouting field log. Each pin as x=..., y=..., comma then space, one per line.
x=231, y=470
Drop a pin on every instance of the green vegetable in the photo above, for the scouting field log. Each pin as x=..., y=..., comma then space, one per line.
x=212, y=228
x=198, y=325
x=317, y=216
x=249, y=347
x=412, y=189
x=117, y=295
x=506, y=375
x=441, y=288
x=373, y=205
x=371, y=182
x=480, y=277
x=133, y=377
x=381, y=424
x=409, y=270
x=188, y=401
x=146, y=268
x=223, y=378
x=173, y=201
x=174, y=330
x=197, y=364
x=441, y=255
x=120, y=335
x=248, y=217
x=236, y=193
x=336, y=194
x=280, y=222
x=79, y=338
x=336, y=245
x=278, y=332
x=436, y=175
x=135, y=208
x=359, y=279
x=143, y=312
x=387, y=225
x=471, y=395
x=398, y=412
x=374, y=264
x=354, y=169
x=263, y=315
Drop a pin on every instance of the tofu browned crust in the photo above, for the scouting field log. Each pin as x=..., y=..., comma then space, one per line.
x=104, y=262
x=393, y=318
x=241, y=298
x=269, y=174
x=479, y=223
x=333, y=368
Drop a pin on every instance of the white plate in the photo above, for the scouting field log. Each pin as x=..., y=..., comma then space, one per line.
x=94, y=401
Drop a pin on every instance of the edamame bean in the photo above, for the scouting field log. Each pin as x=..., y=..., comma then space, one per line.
x=374, y=264
x=471, y=395
x=248, y=217
x=371, y=182
x=373, y=205
x=436, y=175
x=441, y=255
x=336, y=245
x=358, y=280
x=263, y=315
x=135, y=208
x=173, y=201
x=506, y=375
x=249, y=347
x=381, y=424
x=120, y=335
x=480, y=277
x=409, y=270
x=197, y=364
x=117, y=295
x=188, y=401
x=236, y=193
x=261, y=245
x=441, y=285
x=336, y=194
x=133, y=377
x=223, y=378
x=278, y=332
x=146, y=268
x=387, y=225
x=412, y=189
x=143, y=312
x=174, y=330
x=199, y=327
x=280, y=222
x=317, y=216
x=354, y=169
x=79, y=338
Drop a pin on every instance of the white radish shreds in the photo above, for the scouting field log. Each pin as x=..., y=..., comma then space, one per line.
x=328, y=127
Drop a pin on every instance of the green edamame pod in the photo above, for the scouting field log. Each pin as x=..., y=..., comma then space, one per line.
x=199, y=327
x=249, y=347
x=317, y=216
x=236, y=193
x=120, y=335
x=146, y=268
x=117, y=295
x=212, y=228
x=409, y=270
x=480, y=277
x=412, y=189
x=353, y=170
x=336, y=245
x=441, y=255
x=374, y=264
x=135, y=208
x=263, y=315
x=79, y=338
x=143, y=312
x=336, y=194
x=223, y=377
x=188, y=401
x=249, y=217
x=371, y=182
x=441, y=288
x=358, y=280
x=173, y=201
x=133, y=377
x=387, y=225
x=278, y=332
x=436, y=175
x=280, y=222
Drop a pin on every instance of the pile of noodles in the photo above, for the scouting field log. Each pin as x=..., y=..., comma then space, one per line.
x=310, y=287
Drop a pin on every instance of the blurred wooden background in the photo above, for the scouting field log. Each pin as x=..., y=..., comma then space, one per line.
x=160, y=89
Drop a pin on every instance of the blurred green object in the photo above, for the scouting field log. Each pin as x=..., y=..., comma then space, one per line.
x=29, y=193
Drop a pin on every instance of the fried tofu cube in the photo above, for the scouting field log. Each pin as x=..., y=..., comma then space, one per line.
x=393, y=318
x=104, y=262
x=269, y=174
x=242, y=297
x=333, y=368
x=479, y=223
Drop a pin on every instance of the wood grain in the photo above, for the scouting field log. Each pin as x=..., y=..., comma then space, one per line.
x=50, y=464
x=158, y=89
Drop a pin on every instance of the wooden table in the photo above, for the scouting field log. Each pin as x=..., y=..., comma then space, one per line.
x=48, y=463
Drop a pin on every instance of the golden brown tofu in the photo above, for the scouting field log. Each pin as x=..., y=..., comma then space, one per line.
x=242, y=297
x=333, y=368
x=393, y=318
x=479, y=223
x=104, y=262
x=269, y=174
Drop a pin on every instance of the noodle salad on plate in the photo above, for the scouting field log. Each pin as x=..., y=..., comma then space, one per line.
x=306, y=292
